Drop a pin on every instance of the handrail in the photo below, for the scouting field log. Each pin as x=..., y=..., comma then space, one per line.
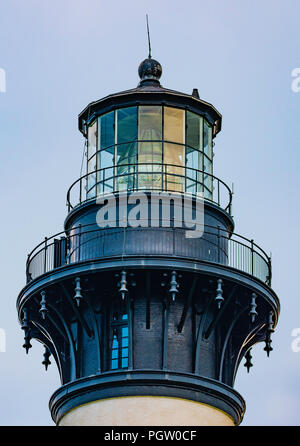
x=229, y=249
x=140, y=169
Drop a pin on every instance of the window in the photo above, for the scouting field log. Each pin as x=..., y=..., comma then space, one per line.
x=92, y=161
x=174, y=157
x=106, y=140
x=207, y=140
x=192, y=161
x=119, y=341
x=194, y=148
x=174, y=153
x=207, y=168
x=126, y=124
x=207, y=160
x=193, y=130
x=107, y=133
x=150, y=160
x=150, y=147
x=126, y=151
x=174, y=124
x=150, y=151
x=150, y=122
x=105, y=176
x=92, y=139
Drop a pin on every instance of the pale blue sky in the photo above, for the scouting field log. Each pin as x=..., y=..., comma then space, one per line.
x=59, y=56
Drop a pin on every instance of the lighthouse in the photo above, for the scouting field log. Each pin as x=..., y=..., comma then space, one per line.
x=148, y=300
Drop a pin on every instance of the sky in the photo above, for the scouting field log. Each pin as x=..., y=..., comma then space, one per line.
x=58, y=56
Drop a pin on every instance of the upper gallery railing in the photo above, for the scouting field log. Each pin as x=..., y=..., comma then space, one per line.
x=149, y=177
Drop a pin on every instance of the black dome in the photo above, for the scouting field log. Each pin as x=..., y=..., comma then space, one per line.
x=150, y=70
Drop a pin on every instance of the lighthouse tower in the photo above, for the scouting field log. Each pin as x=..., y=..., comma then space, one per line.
x=146, y=320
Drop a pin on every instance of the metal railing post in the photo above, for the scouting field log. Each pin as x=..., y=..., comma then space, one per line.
x=45, y=255
x=28, y=278
x=252, y=257
x=218, y=243
x=269, y=279
x=80, y=190
x=79, y=246
x=68, y=245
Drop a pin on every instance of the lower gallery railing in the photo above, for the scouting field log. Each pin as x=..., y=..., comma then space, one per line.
x=85, y=243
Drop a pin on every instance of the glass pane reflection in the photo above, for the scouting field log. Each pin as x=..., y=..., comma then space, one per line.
x=174, y=178
x=119, y=345
x=207, y=139
x=126, y=124
x=132, y=140
x=107, y=132
x=194, y=130
x=126, y=161
x=92, y=140
x=150, y=122
x=174, y=124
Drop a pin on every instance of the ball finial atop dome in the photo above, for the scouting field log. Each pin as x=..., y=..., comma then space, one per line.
x=150, y=71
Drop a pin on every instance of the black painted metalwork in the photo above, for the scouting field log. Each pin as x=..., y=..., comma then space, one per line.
x=78, y=296
x=253, y=305
x=240, y=253
x=123, y=283
x=219, y=297
x=248, y=364
x=268, y=348
x=46, y=362
x=173, y=286
x=26, y=328
x=43, y=309
x=147, y=310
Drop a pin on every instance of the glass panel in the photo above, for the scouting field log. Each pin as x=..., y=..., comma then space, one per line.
x=207, y=139
x=105, y=158
x=194, y=158
x=150, y=160
x=200, y=183
x=174, y=178
x=126, y=153
x=150, y=152
x=114, y=364
x=119, y=347
x=173, y=124
x=92, y=164
x=107, y=134
x=105, y=175
x=114, y=353
x=91, y=178
x=92, y=140
x=192, y=161
x=126, y=124
x=207, y=178
x=126, y=162
x=150, y=122
x=193, y=131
